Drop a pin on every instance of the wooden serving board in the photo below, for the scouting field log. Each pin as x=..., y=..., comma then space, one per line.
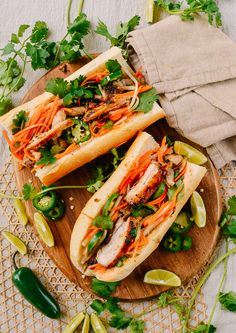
x=184, y=264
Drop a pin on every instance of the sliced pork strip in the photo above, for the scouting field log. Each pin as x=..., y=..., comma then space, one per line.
x=110, y=252
x=175, y=159
x=145, y=186
x=59, y=118
x=51, y=134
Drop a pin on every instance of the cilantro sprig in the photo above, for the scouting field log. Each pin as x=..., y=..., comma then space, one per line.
x=208, y=7
x=122, y=31
x=33, y=46
x=147, y=100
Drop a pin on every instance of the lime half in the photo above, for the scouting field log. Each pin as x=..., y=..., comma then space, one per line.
x=43, y=229
x=192, y=154
x=15, y=241
x=198, y=209
x=162, y=277
x=86, y=324
x=97, y=325
x=74, y=323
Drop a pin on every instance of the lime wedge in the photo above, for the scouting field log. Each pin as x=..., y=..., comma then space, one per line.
x=162, y=277
x=43, y=229
x=149, y=11
x=97, y=325
x=20, y=211
x=198, y=209
x=86, y=324
x=74, y=323
x=15, y=241
x=192, y=154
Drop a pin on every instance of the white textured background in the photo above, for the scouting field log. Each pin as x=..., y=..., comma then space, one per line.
x=16, y=12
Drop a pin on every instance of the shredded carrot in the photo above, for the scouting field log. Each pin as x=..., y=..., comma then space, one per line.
x=182, y=172
x=97, y=77
x=92, y=231
x=68, y=150
x=123, y=205
x=97, y=267
x=158, y=200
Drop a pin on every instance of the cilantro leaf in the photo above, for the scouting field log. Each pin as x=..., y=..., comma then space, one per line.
x=57, y=87
x=37, y=54
x=112, y=66
x=22, y=29
x=137, y=326
x=19, y=121
x=80, y=24
x=94, y=187
x=203, y=328
x=5, y=105
x=29, y=191
x=232, y=205
x=228, y=301
x=113, y=307
x=47, y=157
x=39, y=32
x=120, y=322
x=147, y=100
x=103, y=222
x=15, y=39
x=121, y=32
x=98, y=306
x=103, y=289
x=102, y=30
x=9, y=48
x=188, y=12
x=71, y=47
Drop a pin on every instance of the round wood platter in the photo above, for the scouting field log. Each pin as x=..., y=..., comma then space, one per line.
x=184, y=264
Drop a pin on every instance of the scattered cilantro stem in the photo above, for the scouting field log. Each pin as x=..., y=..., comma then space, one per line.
x=68, y=12
x=220, y=287
x=144, y=313
x=80, y=6
x=200, y=284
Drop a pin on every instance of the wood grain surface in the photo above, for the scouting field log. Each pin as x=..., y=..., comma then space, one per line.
x=184, y=264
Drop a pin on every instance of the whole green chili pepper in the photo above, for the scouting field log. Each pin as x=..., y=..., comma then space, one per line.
x=34, y=292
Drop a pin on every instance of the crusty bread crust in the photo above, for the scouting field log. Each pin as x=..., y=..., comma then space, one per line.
x=96, y=146
x=143, y=143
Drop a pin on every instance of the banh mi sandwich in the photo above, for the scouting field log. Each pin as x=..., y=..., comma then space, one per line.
x=126, y=219
x=100, y=106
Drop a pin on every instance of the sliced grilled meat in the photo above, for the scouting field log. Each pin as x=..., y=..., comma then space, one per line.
x=146, y=186
x=53, y=133
x=76, y=111
x=170, y=177
x=175, y=159
x=111, y=251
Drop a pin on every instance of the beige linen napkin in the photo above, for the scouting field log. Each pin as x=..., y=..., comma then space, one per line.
x=193, y=67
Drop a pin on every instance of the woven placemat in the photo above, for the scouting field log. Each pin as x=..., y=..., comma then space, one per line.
x=16, y=315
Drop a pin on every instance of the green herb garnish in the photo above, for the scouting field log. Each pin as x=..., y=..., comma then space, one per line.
x=147, y=100
x=19, y=121
x=208, y=7
x=121, y=32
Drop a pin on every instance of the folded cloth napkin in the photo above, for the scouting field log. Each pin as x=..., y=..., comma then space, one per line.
x=193, y=67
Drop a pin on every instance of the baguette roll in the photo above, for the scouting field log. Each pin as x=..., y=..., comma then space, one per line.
x=94, y=207
x=96, y=145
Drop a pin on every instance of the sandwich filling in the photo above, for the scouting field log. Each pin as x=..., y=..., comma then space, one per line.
x=79, y=111
x=146, y=197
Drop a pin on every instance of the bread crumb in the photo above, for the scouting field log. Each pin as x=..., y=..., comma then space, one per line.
x=30, y=180
x=72, y=207
x=201, y=189
x=83, y=276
